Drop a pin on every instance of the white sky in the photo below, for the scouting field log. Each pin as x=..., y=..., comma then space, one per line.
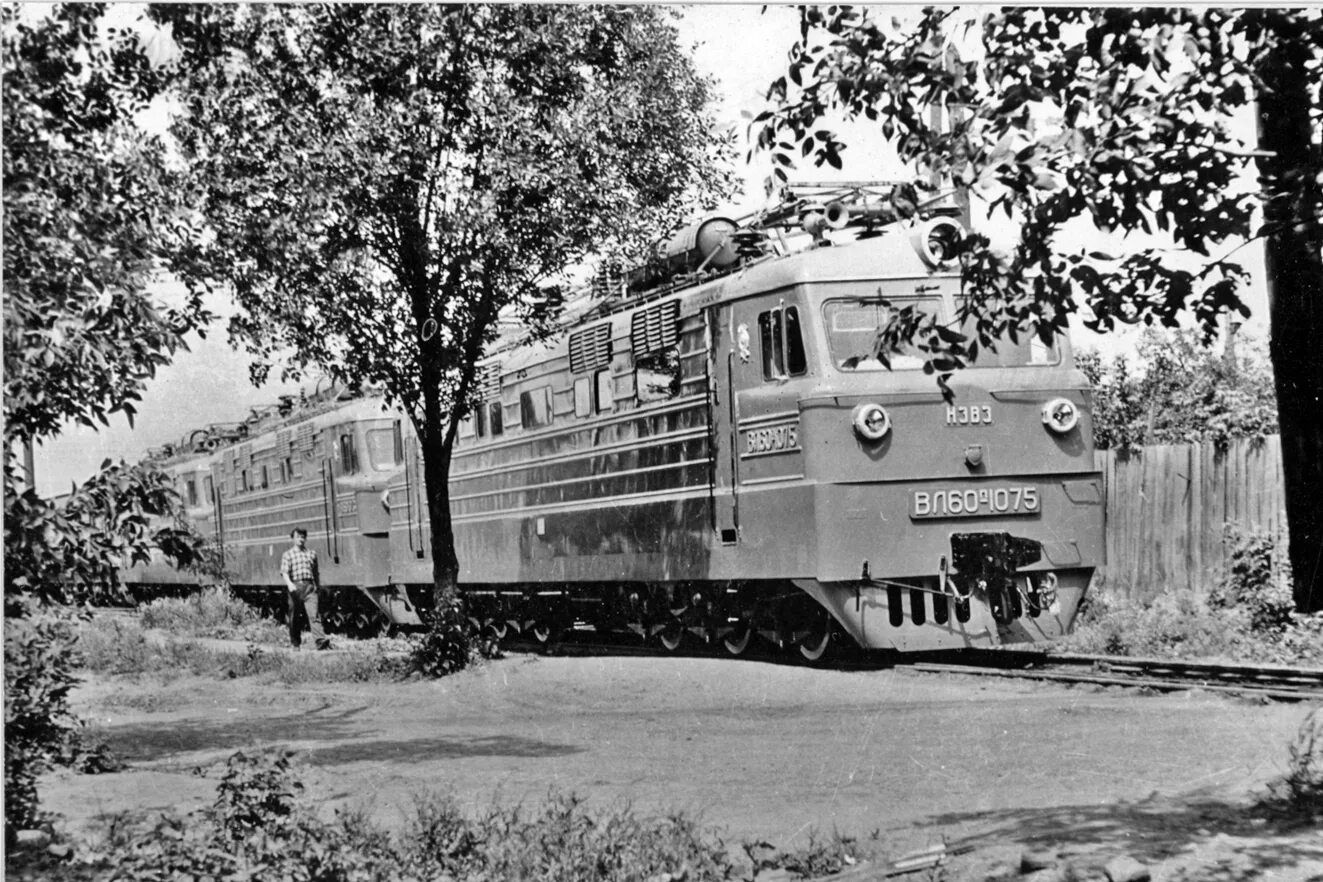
x=743, y=45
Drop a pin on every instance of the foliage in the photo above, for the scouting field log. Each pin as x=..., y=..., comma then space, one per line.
x=1179, y=391
x=1116, y=116
x=819, y=856
x=1300, y=790
x=1175, y=624
x=451, y=643
x=70, y=549
x=392, y=185
x=92, y=213
x=40, y=728
x=1187, y=625
x=1256, y=581
x=259, y=827
x=1070, y=120
x=212, y=612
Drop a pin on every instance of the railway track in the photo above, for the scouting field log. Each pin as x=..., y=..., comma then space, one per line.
x=1280, y=682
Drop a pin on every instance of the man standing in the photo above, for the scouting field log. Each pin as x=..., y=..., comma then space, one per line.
x=299, y=567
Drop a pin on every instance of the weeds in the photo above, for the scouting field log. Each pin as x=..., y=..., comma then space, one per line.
x=1248, y=616
x=214, y=612
x=120, y=647
x=1300, y=790
x=259, y=827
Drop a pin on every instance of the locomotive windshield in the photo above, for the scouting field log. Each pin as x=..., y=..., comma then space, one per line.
x=853, y=327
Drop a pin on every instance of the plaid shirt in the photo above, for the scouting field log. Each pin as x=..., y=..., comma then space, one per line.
x=299, y=564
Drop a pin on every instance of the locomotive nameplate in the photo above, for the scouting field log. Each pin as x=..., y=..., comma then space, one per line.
x=974, y=503
x=771, y=439
x=977, y=415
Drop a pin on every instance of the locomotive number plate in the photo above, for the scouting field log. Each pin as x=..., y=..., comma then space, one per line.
x=973, y=503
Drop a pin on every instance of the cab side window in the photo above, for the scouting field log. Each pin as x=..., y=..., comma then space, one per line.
x=535, y=408
x=782, y=343
x=348, y=455
x=658, y=374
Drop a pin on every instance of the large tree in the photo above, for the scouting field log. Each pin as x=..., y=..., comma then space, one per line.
x=1119, y=118
x=92, y=215
x=388, y=183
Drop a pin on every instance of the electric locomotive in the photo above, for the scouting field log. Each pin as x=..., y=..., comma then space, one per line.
x=322, y=465
x=711, y=451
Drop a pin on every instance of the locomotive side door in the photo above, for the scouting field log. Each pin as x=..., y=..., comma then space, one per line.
x=722, y=420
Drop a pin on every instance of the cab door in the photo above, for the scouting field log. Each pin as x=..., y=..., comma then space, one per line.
x=722, y=351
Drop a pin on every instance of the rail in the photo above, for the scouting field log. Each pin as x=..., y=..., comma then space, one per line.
x=1282, y=682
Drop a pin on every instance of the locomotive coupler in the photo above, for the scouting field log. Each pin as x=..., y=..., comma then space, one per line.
x=988, y=562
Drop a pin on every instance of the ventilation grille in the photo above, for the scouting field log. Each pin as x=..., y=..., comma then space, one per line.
x=654, y=328
x=590, y=349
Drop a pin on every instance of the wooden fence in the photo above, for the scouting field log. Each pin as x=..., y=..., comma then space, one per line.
x=1168, y=506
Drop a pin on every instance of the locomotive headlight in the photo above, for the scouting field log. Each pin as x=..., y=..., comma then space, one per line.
x=937, y=240
x=871, y=422
x=1060, y=415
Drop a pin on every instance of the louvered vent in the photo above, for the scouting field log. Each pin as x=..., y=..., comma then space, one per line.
x=303, y=442
x=590, y=349
x=489, y=381
x=654, y=327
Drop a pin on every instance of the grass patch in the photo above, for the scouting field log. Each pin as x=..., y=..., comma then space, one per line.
x=1248, y=616
x=260, y=827
x=213, y=612
x=1300, y=790
x=120, y=647
x=1186, y=625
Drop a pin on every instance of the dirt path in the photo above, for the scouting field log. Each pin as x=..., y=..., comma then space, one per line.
x=760, y=750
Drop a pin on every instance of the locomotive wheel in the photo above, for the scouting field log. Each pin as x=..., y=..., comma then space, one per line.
x=737, y=641
x=817, y=641
x=672, y=635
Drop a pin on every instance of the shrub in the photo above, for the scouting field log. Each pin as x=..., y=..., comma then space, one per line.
x=258, y=828
x=1185, y=624
x=1258, y=581
x=451, y=643
x=40, y=729
x=821, y=856
x=1173, y=624
x=562, y=840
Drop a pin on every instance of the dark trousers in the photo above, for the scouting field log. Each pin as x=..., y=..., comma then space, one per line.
x=304, y=597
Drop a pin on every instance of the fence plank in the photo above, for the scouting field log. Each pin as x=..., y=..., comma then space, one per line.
x=1167, y=506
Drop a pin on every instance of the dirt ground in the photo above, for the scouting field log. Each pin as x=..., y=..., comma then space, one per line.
x=759, y=750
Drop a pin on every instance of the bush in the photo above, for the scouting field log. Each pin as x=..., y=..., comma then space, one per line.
x=1184, y=624
x=40, y=729
x=213, y=612
x=260, y=828
x=1257, y=581
x=1174, y=624
x=450, y=644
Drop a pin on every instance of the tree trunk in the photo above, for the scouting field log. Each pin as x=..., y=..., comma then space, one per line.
x=1295, y=299
x=436, y=477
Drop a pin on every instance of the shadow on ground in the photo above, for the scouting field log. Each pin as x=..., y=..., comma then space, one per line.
x=347, y=740
x=1152, y=831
